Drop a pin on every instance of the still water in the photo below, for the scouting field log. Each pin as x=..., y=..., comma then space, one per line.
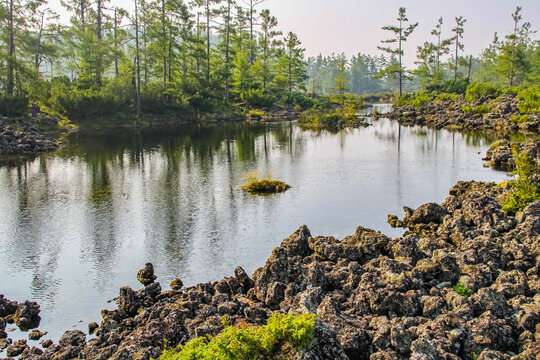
x=77, y=224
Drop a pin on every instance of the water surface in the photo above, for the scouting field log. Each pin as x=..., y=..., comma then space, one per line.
x=77, y=224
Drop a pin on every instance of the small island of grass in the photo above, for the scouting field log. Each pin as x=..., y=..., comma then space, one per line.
x=257, y=185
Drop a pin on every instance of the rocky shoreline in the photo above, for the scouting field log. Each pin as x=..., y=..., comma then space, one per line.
x=375, y=297
x=500, y=154
x=23, y=137
x=487, y=114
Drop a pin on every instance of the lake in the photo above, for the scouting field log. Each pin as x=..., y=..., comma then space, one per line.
x=77, y=224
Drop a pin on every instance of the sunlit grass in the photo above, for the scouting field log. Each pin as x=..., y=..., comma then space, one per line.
x=256, y=183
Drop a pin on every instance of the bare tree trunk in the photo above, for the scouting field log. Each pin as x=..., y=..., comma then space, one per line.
x=164, y=45
x=470, y=66
x=198, y=65
x=228, y=37
x=400, y=68
x=83, y=10
x=251, y=48
x=38, y=45
x=116, y=41
x=208, y=40
x=99, y=9
x=139, y=111
x=456, y=59
x=170, y=50
x=11, y=57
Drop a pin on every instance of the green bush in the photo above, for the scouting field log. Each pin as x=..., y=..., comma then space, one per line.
x=418, y=99
x=446, y=97
x=479, y=90
x=14, y=105
x=258, y=98
x=450, y=86
x=529, y=100
x=519, y=119
x=251, y=342
x=511, y=90
x=525, y=191
x=296, y=98
x=478, y=110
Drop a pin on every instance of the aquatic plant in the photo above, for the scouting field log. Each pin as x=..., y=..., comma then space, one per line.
x=250, y=342
x=255, y=183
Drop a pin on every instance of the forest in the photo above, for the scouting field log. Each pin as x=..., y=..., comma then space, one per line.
x=209, y=56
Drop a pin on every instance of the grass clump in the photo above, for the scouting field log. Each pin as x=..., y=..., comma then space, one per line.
x=462, y=290
x=250, y=342
x=257, y=184
x=525, y=191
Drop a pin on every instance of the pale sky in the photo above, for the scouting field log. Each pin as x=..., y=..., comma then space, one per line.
x=353, y=26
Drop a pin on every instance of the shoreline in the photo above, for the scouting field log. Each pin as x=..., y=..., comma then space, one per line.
x=500, y=115
x=373, y=295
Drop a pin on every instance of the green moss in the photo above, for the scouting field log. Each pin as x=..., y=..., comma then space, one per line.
x=462, y=290
x=250, y=342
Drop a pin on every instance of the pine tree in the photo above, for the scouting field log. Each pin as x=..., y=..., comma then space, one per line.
x=401, y=33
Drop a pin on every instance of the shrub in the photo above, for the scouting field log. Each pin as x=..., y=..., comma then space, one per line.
x=525, y=191
x=418, y=100
x=519, y=119
x=446, y=97
x=478, y=110
x=529, y=100
x=450, y=86
x=249, y=342
x=258, y=98
x=13, y=105
x=480, y=90
x=296, y=98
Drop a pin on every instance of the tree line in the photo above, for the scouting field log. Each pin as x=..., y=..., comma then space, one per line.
x=221, y=55
x=441, y=63
x=202, y=55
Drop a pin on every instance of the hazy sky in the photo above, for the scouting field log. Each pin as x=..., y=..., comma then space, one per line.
x=353, y=26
